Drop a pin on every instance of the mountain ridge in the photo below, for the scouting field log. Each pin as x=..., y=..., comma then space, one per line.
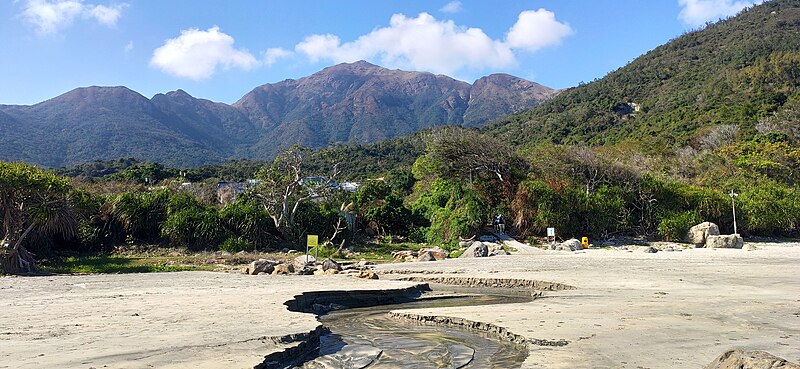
x=349, y=102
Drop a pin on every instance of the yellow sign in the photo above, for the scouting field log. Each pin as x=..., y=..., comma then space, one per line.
x=585, y=242
x=313, y=240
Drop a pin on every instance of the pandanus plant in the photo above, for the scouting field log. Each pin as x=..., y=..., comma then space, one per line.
x=31, y=200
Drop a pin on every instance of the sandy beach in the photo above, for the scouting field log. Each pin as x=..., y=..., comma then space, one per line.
x=628, y=309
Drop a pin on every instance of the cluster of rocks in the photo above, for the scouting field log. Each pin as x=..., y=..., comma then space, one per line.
x=707, y=235
x=308, y=265
x=426, y=254
x=470, y=249
x=479, y=249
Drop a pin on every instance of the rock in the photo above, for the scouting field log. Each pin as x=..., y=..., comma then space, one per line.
x=647, y=249
x=260, y=266
x=330, y=271
x=307, y=270
x=498, y=252
x=465, y=243
x=330, y=264
x=476, y=250
x=301, y=260
x=403, y=255
x=438, y=253
x=700, y=232
x=367, y=274
x=283, y=269
x=749, y=247
x=319, y=272
x=738, y=359
x=363, y=264
x=571, y=245
x=425, y=256
x=728, y=241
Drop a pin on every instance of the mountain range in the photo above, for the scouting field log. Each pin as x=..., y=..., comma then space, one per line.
x=352, y=102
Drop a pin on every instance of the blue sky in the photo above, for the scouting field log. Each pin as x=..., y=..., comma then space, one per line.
x=220, y=50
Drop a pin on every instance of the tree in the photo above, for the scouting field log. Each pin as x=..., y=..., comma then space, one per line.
x=467, y=155
x=31, y=200
x=285, y=186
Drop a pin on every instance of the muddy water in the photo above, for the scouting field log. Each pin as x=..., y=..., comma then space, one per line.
x=369, y=338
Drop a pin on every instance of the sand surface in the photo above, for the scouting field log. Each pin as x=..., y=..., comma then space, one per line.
x=629, y=310
x=641, y=310
x=157, y=320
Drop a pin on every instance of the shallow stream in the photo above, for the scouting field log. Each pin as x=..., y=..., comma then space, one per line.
x=369, y=338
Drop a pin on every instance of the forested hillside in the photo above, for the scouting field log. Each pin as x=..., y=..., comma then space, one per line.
x=744, y=71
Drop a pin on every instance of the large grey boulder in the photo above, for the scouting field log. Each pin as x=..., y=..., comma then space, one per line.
x=700, y=232
x=330, y=264
x=568, y=245
x=738, y=359
x=425, y=256
x=728, y=241
x=260, y=266
x=301, y=260
x=437, y=253
x=476, y=250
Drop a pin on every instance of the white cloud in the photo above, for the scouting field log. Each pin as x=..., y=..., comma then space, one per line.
x=104, y=14
x=425, y=43
x=451, y=7
x=698, y=12
x=274, y=53
x=50, y=16
x=197, y=54
x=536, y=29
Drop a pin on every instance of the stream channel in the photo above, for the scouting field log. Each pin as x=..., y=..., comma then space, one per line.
x=369, y=338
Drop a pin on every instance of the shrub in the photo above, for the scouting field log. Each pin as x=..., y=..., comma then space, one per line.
x=675, y=226
x=236, y=244
x=193, y=228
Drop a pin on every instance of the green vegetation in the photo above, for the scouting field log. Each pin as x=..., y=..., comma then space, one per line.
x=742, y=72
x=114, y=264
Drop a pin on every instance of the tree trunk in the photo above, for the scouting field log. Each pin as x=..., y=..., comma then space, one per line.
x=16, y=260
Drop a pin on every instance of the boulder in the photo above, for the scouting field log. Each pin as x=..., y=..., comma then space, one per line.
x=476, y=250
x=498, y=252
x=283, y=269
x=330, y=264
x=403, y=255
x=465, y=243
x=367, y=274
x=260, y=266
x=728, y=241
x=302, y=261
x=749, y=247
x=700, y=232
x=438, y=253
x=425, y=256
x=571, y=245
x=330, y=271
x=647, y=249
x=738, y=359
x=363, y=264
